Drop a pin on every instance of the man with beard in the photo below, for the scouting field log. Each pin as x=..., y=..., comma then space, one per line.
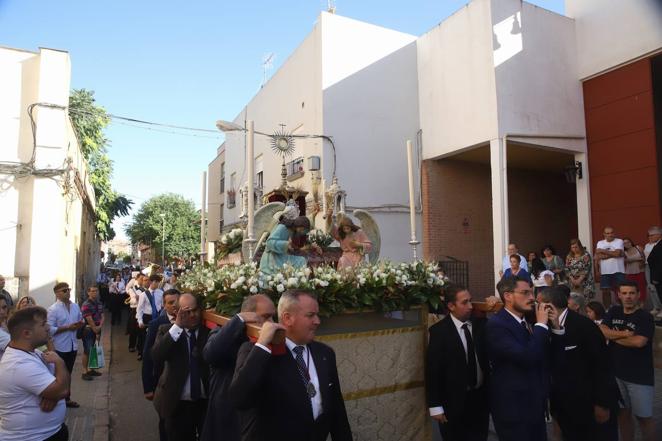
x=290, y=232
x=34, y=384
x=518, y=356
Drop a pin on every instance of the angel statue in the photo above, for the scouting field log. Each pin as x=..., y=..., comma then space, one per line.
x=354, y=242
x=290, y=228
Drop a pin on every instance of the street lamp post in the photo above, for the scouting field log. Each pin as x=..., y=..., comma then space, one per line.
x=163, y=241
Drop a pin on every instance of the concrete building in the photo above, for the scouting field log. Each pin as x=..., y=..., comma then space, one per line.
x=356, y=83
x=47, y=225
x=507, y=102
x=512, y=94
x=216, y=196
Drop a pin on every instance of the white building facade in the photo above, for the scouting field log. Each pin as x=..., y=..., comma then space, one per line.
x=47, y=225
x=357, y=84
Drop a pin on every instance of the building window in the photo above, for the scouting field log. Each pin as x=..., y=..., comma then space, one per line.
x=222, y=177
x=220, y=226
x=259, y=180
x=295, y=168
x=232, y=191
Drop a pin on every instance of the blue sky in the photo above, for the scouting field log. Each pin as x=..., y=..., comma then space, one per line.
x=184, y=63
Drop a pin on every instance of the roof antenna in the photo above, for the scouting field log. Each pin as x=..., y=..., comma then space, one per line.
x=267, y=64
x=331, y=6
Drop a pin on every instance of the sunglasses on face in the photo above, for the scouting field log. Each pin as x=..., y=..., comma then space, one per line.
x=65, y=290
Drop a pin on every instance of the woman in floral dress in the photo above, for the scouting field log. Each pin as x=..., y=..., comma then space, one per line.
x=579, y=270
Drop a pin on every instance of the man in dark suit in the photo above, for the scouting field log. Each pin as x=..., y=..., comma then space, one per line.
x=150, y=372
x=291, y=393
x=458, y=370
x=221, y=354
x=584, y=394
x=180, y=396
x=518, y=355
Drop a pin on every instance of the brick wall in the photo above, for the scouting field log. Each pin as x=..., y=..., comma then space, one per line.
x=622, y=153
x=457, y=218
x=542, y=210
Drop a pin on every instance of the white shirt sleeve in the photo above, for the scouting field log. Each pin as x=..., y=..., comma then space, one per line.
x=175, y=332
x=434, y=411
x=261, y=346
x=51, y=319
x=141, y=305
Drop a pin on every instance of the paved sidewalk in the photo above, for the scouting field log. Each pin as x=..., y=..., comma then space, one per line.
x=90, y=422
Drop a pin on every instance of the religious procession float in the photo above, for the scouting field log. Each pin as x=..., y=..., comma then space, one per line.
x=374, y=312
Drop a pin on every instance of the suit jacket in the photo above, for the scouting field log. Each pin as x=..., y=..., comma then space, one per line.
x=221, y=353
x=270, y=388
x=655, y=263
x=447, y=367
x=519, y=361
x=174, y=357
x=150, y=372
x=581, y=370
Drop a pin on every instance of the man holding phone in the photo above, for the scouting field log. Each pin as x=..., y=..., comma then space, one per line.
x=518, y=353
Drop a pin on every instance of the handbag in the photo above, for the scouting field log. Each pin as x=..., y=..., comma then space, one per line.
x=101, y=360
x=93, y=361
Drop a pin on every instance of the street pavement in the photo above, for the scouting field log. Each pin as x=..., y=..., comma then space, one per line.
x=90, y=421
x=132, y=417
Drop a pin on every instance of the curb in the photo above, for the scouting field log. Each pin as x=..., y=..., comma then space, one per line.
x=102, y=399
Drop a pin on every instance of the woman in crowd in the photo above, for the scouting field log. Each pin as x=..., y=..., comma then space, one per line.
x=25, y=302
x=540, y=276
x=516, y=269
x=579, y=269
x=531, y=255
x=635, y=265
x=595, y=311
x=553, y=262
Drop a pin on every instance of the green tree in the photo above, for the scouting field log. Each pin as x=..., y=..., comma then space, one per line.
x=182, y=226
x=89, y=121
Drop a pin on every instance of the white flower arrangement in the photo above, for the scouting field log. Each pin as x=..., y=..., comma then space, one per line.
x=383, y=286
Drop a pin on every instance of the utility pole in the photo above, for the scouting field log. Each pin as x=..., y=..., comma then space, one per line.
x=163, y=241
x=202, y=217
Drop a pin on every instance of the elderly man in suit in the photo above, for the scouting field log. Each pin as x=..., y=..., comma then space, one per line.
x=180, y=398
x=221, y=354
x=584, y=396
x=457, y=371
x=292, y=393
x=519, y=356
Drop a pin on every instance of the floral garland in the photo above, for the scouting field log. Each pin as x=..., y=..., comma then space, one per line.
x=384, y=286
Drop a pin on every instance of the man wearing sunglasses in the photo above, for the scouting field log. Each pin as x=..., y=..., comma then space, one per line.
x=518, y=354
x=64, y=319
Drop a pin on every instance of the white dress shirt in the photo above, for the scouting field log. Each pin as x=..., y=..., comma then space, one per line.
x=176, y=332
x=144, y=307
x=458, y=327
x=316, y=401
x=131, y=290
x=59, y=315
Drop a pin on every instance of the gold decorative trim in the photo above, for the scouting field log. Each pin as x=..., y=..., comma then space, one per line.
x=381, y=390
x=376, y=333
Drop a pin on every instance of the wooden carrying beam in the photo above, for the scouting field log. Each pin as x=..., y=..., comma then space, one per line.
x=252, y=330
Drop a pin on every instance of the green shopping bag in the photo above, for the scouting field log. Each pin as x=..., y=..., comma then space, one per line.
x=93, y=360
